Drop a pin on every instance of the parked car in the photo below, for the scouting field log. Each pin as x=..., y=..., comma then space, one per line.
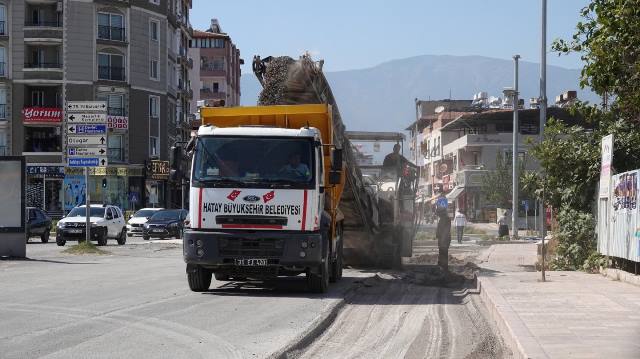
x=164, y=224
x=136, y=222
x=107, y=222
x=38, y=224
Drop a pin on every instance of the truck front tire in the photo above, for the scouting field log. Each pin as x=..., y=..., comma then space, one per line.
x=319, y=282
x=199, y=278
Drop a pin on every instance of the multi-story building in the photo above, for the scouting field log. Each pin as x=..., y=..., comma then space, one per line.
x=131, y=54
x=216, y=66
x=458, y=148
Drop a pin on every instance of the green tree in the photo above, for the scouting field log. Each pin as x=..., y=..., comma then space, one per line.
x=608, y=40
x=497, y=184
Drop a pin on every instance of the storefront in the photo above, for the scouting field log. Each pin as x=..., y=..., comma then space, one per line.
x=118, y=186
x=45, y=188
x=156, y=187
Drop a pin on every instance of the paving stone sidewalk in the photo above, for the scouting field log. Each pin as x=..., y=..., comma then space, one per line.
x=572, y=315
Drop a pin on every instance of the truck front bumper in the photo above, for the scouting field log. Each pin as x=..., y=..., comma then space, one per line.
x=227, y=249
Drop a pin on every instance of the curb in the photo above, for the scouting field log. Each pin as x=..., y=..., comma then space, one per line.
x=512, y=329
x=620, y=275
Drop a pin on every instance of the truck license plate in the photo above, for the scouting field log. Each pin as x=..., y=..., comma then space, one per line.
x=251, y=262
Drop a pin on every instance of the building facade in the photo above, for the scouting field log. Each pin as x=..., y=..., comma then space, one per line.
x=216, y=72
x=132, y=54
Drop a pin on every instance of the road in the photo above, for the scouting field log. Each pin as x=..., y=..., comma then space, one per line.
x=135, y=302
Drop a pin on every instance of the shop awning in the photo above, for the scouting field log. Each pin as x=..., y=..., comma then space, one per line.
x=451, y=196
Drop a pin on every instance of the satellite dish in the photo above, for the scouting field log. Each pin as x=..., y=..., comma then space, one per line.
x=439, y=109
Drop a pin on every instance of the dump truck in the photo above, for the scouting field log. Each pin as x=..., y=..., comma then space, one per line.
x=275, y=191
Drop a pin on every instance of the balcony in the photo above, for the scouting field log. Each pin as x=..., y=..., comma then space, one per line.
x=495, y=139
x=209, y=94
x=3, y=72
x=43, y=65
x=111, y=33
x=54, y=23
x=111, y=73
x=470, y=176
x=3, y=28
x=4, y=151
x=3, y=112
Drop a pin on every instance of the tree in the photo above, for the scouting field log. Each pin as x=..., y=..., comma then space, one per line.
x=609, y=43
x=497, y=184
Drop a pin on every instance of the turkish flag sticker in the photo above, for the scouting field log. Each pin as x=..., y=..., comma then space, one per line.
x=233, y=195
x=268, y=196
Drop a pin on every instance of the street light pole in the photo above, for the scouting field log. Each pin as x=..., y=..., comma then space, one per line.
x=542, y=101
x=514, y=156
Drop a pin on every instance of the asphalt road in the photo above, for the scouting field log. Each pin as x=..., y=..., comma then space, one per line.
x=135, y=303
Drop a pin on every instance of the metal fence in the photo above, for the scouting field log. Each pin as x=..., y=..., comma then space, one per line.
x=619, y=218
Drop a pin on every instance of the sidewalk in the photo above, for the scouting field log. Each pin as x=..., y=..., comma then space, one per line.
x=572, y=315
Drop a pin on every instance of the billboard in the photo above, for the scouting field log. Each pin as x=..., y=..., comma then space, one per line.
x=75, y=191
x=619, y=225
x=12, y=210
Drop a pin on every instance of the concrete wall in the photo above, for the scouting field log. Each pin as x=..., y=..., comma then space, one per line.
x=80, y=44
x=143, y=50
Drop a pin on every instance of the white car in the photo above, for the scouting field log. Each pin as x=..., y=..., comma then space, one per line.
x=136, y=222
x=107, y=222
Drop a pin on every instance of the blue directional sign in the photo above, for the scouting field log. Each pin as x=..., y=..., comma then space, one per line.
x=442, y=202
x=87, y=129
x=87, y=161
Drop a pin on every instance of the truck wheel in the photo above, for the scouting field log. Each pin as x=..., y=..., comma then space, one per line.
x=60, y=242
x=319, y=282
x=220, y=276
x=199, y=278
x=123, y=237
x=45, y=235
x=336, y=266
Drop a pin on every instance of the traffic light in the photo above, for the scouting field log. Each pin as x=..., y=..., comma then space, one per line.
x=104, y=183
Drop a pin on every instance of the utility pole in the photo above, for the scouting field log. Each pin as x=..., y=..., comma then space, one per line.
x=542, y=101
x=514, y=157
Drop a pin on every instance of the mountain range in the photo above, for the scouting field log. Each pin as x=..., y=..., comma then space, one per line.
x=381, y=98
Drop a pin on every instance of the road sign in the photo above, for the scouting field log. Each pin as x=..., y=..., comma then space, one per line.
x=86, y=118
x=81, y=106
x=87, y=161
x=86, y=140
x=442, y=202
x=89, y=129
x=87, y=151
x=525, y=204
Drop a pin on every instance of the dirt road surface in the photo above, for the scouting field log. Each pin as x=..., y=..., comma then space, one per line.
x=418, y=313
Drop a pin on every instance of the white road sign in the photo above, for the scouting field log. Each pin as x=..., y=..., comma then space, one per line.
x=81, y=106
x=86, y=118
x=86, y=140
x=87, y=151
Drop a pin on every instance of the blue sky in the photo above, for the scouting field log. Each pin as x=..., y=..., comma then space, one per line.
x=354, y=34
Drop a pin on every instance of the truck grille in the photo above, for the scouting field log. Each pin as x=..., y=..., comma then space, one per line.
x=255, y=248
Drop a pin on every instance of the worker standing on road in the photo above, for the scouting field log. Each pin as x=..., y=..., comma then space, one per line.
x=443, y=235
x=503, y=226
x=460, y=220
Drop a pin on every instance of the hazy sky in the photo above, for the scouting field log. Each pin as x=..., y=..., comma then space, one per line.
x=354, y=34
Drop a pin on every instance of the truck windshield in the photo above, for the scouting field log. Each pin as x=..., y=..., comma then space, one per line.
x=247, y=161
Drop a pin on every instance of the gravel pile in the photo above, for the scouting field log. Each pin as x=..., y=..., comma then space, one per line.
x=276, y=79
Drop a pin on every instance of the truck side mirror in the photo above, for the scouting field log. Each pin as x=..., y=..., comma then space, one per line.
x=336, y=159
x=176, y=157
x=335, y=177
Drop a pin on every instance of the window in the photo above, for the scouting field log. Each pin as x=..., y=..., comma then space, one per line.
x=3, y=104
x=154, y=106
x=153, y=30
x=42, y=139
x=216, y=87
x=3, y=62
x=154, y=146
x=110, y=67
x=115, y=105
x=37, y=98
x=153, y=69
x=476, y=158
x=110, y=27
x=115, y=150
x=218, y=43
x=4, y=149
x=3, y=20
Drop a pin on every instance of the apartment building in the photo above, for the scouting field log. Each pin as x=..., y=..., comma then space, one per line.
x=216, y=67
x=131, y=54
x=458, y=148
